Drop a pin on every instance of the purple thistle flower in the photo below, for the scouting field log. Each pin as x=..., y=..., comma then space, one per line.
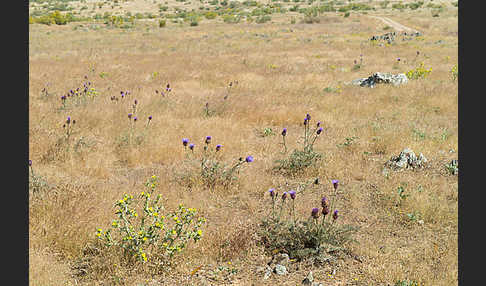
x=30, y=163
x=292, y=194
x=335, y=183
x=318, y=123
x=315, y=213
x=63, y=97
x=308, y=116
x=335, y=215
x=319, y=130
x=150, y=117
x=272, y=192
x=325, y=210
x=398, y=59
x=324, y=202
x=208, y=139
x=130, y=116
x=185, y=141
x=68, y=120
x=284, y=196
x=249, y=159
x=284, y=132
x=191, y=146
x=135, y=119
x=305, y=121
x=218, y=147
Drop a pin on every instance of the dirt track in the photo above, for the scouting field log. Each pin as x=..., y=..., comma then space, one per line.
x=397, y=26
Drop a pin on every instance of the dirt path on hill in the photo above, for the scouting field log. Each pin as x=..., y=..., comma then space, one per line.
x=397, y=26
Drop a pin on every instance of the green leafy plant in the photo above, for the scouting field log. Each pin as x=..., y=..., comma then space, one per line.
x=145, y=230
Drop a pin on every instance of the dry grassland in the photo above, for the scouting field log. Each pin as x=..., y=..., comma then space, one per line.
x=282, y=71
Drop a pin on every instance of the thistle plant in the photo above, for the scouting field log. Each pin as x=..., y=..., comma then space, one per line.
x=36, y=182
x=299, y=160
x=305, y=236
x=135, y=134
x=208, y=166
x=145, y=230
x=79, y=95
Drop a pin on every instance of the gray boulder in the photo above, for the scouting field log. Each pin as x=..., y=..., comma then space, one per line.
x=406, y=159
x=380, y=77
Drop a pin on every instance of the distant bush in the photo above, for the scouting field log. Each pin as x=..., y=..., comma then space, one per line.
x=55, y=17
x=210, y=15
x=263, y=19
x=231, y=18
x=162, y=23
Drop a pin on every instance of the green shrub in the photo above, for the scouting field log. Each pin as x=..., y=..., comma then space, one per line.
x=162, y=23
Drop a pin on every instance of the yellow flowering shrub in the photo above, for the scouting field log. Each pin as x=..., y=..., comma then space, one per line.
x=150, y=234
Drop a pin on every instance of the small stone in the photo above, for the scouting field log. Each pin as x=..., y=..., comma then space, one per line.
x=282, y=259
x=309, y=279
x=280, y=269
x=268, y=273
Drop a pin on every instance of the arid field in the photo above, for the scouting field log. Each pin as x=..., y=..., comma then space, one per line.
x=119, y=93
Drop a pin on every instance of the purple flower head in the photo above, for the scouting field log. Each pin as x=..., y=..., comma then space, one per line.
x=319, y=130
x=249, y=159
x=68, y=120
x=63, y=97
x=292, y=194
x=318, y=124
x=218, y=147
x=305, y=121
x=130, y=116
x=315, y=213
x=284, y=132
x=185, y=141
x=284, y=196
x=135, y=119
x=324, y=202
x=208, y=139
x=325, y=210
x=30, y=163
x=308, y=116
x=191, y=146
x=335, y=183
x=335, y=215
x=150, y=117
x=272, y=192
x=398, y=59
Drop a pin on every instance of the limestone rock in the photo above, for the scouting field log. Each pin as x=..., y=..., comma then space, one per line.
x=406, y=159
x=380, y=77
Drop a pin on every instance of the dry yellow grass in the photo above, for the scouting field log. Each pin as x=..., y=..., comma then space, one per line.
x=282, y=70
